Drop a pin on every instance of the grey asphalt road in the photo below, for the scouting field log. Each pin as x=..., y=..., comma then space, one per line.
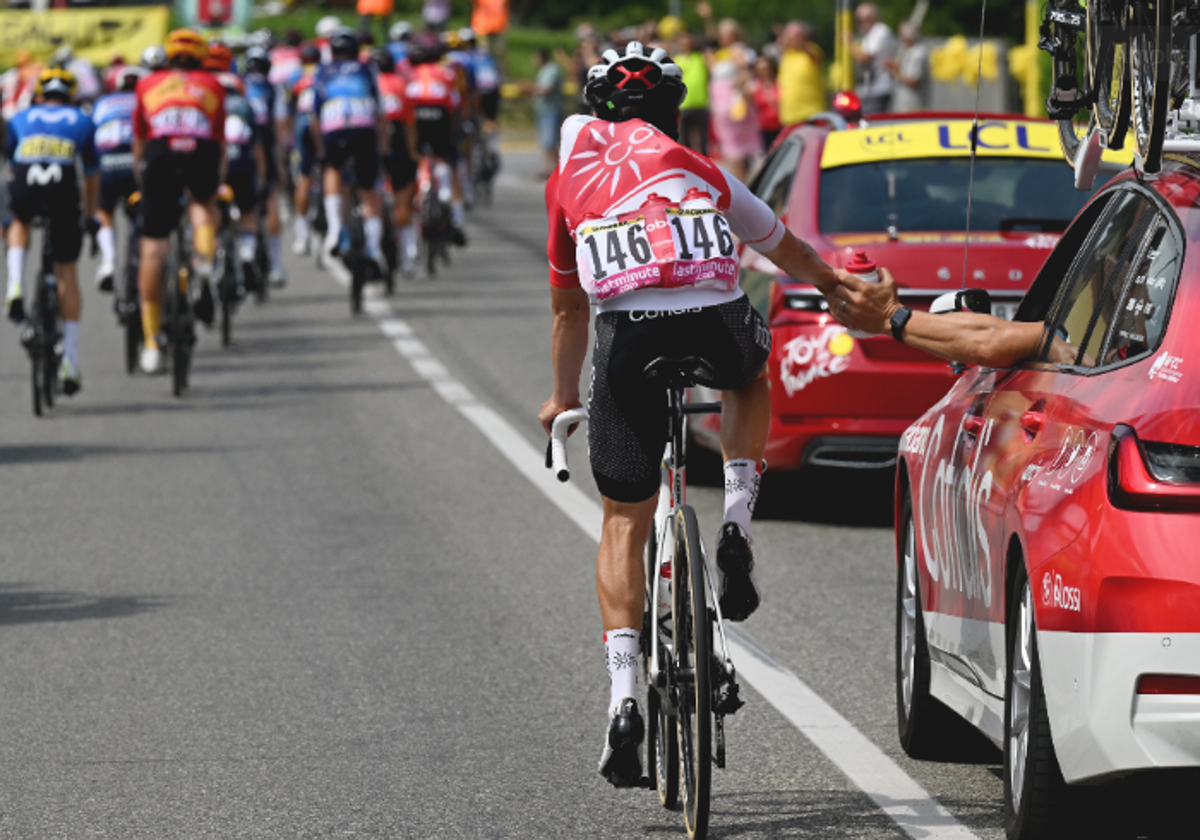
x=310, y=600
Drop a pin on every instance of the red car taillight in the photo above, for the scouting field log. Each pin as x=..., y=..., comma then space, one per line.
x=1167, y=684
x=1147, y=475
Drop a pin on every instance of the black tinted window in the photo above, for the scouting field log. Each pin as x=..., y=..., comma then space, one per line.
x=773, y=184
x=1141, y=315
x=1010, y=194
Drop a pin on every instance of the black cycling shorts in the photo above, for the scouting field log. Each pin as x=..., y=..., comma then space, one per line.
x=435, y=133
x=242, y=178
x=33, y=190
x=357, y=144
x=168, y=173
x=627, y=415
x=401, y=168
x=305, y=152
x=489, y=103
x=115, y=187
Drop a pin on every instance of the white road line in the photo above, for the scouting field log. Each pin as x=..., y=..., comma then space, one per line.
x=873, y=772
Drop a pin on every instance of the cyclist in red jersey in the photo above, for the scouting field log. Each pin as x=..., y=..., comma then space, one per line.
x=401, y=162
x=435, y=93
x=643, y=228
x=178, y=148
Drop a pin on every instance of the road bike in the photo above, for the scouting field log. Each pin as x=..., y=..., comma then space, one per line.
x=434, y=214
x=1131, y=66
x=42, y=333
x=690, y=678
x=179, y=321
x=125, y=296
x=231, y=280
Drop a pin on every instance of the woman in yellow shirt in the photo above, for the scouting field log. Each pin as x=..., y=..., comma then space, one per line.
x=801, y=77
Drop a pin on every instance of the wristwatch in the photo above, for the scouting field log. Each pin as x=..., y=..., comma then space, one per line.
x=899, y=321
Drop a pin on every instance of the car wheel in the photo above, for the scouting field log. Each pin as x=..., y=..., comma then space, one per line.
x=926, y=726
x=1035, y=794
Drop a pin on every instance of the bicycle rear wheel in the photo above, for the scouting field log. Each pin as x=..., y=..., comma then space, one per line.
x=1150, y=58
x=662, y=737
x=36, y=358
x=176, y=318
x=48, y=315
x=692, y=658
x=357, y=264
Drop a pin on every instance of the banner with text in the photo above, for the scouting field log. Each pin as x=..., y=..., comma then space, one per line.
x=95, y=34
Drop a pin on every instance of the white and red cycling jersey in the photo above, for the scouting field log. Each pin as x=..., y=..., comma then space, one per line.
x=642, y=222
x=433, y=86
x=393, y=97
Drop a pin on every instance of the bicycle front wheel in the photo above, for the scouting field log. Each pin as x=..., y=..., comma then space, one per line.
x=1150, y=58
x=692, y=659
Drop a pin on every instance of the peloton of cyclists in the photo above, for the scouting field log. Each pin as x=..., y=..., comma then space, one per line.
x=113, y=116
x=639, y=226
x=43, y=144
x=349, y=126
x=179, y=148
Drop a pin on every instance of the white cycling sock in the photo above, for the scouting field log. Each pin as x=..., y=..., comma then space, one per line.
x=276, y=257
x=71, y=342
x=457, y=214
x=301, y=227
x=107, y=240
x=16, y=270
x=333, y=213
x=408, y=241
x=620, y=654
x=742, y=477
x=247, y=245
x=373, y=227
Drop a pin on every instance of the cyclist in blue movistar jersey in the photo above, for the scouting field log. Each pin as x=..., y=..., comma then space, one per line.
x=349, y=126
x=43, y=144
x=268, y=110
x=113, y=116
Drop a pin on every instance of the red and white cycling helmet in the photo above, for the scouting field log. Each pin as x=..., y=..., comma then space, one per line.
x=636, y=84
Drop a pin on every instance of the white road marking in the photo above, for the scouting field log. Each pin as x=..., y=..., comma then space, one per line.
x=873, y=772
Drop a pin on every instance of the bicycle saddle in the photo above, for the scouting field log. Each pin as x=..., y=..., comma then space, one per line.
x=686, y=372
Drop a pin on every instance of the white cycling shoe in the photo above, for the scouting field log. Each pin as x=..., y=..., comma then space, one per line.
x=151, y=361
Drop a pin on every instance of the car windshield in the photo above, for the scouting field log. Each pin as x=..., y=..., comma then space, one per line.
x=923, y=194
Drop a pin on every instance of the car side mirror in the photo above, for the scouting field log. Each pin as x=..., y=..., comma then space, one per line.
x=963, y=300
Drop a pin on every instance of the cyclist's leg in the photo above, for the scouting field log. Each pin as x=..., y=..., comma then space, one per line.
x=278, y=277
x=403, y=171
x=66, y=243
x=115, y=187
x=162, y=189
x=366, y=172
x=300, y=196
x=23, y=202
x=335, y=157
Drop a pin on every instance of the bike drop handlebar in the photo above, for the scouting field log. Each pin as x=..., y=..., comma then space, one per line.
x=556, y=447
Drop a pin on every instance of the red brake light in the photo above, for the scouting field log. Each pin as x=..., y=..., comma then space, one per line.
x=1147, y=476
x=1167, y=684
x=848, y=105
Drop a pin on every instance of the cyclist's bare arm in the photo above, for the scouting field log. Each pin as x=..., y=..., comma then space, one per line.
x=799, y=261
x=568, y=349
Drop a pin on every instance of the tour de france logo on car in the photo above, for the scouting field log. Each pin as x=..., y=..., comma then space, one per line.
x=663, y=244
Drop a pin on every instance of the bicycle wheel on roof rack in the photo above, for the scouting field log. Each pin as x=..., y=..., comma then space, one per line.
x=1090, y=59
x=1150, y=62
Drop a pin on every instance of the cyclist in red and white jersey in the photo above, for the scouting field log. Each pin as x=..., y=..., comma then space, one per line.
x=643, y=229
x=401, y=161
x=435, y=91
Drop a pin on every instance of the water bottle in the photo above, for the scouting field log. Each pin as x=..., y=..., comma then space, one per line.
x=864, y=269
x=664, y=591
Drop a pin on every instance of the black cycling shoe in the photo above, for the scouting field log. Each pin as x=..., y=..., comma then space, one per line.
x=621, y=761
x=204, y=309
x=739, y=594
x=458, y=236
x=16, y=310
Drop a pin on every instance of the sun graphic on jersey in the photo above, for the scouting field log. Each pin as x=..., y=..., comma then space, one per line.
x=610, y=162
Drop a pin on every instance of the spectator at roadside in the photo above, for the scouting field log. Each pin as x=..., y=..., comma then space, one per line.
x=910, y=69
x=693, y=123
x=764, y=92
x=489, y=19
x=872, y=52
x=734, y=116
x=548, y=107
x=369, y=10
x=801, y=80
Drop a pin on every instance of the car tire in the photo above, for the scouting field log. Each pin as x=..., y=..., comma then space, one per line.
x=927, y=727
x=1036, y=797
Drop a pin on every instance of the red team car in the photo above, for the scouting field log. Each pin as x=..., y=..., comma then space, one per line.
x=896, y=189
x=1046, y=517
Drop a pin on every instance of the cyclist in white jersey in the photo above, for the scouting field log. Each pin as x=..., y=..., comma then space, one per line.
x=643, y=229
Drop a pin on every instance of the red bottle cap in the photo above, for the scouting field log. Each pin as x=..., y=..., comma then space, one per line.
x=860, y=264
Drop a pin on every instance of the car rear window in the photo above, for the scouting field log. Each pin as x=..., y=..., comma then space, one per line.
x=1009, y=194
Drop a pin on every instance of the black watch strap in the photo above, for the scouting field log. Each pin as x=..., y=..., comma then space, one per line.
x=899, y=321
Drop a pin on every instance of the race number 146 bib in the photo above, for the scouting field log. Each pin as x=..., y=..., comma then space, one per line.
x=664, y=244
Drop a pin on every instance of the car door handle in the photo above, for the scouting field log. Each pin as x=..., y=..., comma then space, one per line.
x=1032, y=423
x=973, y=424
